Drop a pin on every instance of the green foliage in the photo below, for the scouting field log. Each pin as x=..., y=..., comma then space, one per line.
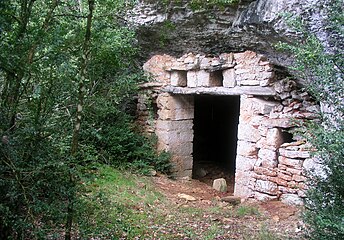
x=323, y=71
x=244, y=210
x=41, y=59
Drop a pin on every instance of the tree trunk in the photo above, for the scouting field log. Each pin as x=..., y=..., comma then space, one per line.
x=77, y=126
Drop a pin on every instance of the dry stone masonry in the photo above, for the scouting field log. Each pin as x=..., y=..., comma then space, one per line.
x=270, y=161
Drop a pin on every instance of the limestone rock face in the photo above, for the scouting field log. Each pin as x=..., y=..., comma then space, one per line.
x=175, y=28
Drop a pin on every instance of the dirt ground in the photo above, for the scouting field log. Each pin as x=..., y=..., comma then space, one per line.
x=280, y=219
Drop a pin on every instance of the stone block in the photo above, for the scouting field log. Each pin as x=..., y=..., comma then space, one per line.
x=220, y=185
x=264, y=197
x=247, y=132
x=258, y=106
x=229, y=78
x=298, y=178
x=168, y=125
x=191, y=78
x=280, y=122
x=205, y=63
x=178, y=78
x=181, y=148
x=301, y=193
x=203, y=78
x=266, y=187
x=294, y=163
x=311, y=165
x=283, y=189
x=249, y=82
x=272, y=172
x=266, y=75
x=171, y=102
x=291, y=199
x=247, y=149
x=279, y=181
x=269, y=158
x=274, y=137
x=245, y=163
x=240, y=71
x=284, y=176
x=177, y=114
x=244, y=183
x=293, y=171
x=182, y=162
x=264, y=83
x=294, y=154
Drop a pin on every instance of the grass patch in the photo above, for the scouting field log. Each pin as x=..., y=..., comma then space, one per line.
x=246, y=210
x=121, y=205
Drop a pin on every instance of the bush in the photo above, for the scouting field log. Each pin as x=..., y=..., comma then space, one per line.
x=323, y=71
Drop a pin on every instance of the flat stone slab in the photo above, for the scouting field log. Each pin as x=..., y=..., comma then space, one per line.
x=238, y=90
x=186, y=197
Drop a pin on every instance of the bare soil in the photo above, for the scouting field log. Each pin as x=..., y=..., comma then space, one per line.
x=274, y=221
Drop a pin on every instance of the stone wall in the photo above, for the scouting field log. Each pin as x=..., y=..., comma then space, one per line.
x=270, y=161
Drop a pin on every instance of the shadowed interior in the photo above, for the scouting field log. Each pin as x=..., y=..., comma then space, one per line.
x=215, y=137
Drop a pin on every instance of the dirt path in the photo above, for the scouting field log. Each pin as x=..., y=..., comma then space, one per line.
x=275, y=218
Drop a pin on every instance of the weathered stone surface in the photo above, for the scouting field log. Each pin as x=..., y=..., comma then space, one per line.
x=260, y=173
x=191, y=79
x=280, y=123
x=229, y=78
x=298, y=178
x=258, y=106
x=186, y=197
x=284, y=176
x=245, y=163
x=244, y=184
x=247, y=149
x=168, y=125
x=156, y=65
x=244, y=90
x=291, y=199
x=283, y=189
x=266, y=187
x=220, y=185
x=247, y=132
x=295, y=163
x=294, y=154
x=264, y=197
x=272, y=172
x=269, y=158
x=178, y=78
x=313, y=166
x=182, y=163
x=274, y=137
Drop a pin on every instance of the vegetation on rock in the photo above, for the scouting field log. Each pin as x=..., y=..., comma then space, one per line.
x=322, y=68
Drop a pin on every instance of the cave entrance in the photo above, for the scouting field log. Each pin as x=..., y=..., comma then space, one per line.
x=216, y=121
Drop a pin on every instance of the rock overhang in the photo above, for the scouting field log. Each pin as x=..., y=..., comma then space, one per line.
x=176, y=29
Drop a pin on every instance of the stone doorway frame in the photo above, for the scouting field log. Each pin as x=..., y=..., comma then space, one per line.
x=267, y=166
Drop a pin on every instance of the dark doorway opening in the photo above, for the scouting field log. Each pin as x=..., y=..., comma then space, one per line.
x=215, y=138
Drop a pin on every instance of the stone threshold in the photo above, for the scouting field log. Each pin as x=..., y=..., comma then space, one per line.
x=238, y=90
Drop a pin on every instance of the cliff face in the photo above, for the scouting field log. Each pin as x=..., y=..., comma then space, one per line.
x=250, y=25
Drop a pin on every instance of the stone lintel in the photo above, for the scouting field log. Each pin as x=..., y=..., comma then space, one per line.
x=238, y=90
